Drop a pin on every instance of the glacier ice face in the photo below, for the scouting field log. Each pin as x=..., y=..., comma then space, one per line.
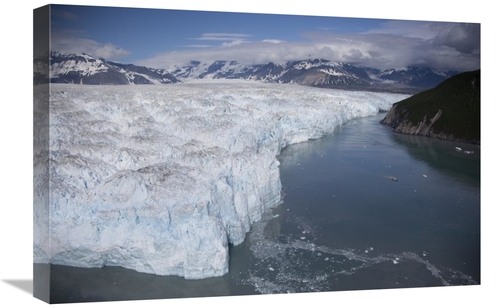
x=161, y=179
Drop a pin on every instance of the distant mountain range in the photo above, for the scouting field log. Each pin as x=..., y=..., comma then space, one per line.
x=85, y=69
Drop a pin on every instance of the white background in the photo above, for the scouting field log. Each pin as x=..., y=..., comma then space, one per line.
x=16, y=151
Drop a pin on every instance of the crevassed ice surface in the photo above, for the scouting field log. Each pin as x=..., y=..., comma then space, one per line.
x=161, y=179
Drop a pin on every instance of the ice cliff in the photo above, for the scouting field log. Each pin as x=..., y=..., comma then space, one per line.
x=161, y=179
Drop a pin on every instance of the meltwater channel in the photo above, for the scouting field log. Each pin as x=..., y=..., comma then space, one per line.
x=365, y=208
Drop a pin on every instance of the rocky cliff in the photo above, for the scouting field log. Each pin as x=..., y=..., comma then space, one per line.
x=450, y=111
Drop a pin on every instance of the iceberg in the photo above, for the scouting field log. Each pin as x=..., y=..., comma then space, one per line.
x=162, y=179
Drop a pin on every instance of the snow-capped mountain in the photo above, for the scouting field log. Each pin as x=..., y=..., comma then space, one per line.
x=318, y=73
x=314, y=72
x=85, y=69
x=416, y=76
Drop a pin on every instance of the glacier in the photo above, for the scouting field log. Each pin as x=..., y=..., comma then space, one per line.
x=162, y=179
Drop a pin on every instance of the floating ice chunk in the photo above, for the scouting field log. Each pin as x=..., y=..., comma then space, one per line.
x=371, y=248
x=392, y=178
x=366, y=251
x=271, y=269
x=395, y=261
x=424, y=175
x=458, y=148
x=326, y=259
x=468, y=152
x=302, y=238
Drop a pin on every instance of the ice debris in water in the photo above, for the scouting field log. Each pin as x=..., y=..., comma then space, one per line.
x=298, y=272
x=140, y=172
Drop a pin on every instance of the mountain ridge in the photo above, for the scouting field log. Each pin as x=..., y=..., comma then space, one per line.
x=85, y=69
x=449, y=111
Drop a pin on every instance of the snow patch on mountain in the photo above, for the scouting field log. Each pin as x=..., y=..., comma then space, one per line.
x=334, y=72
x=87, y=68
x=308, y=64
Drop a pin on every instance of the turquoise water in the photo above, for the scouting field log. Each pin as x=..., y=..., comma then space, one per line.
x=365, y=208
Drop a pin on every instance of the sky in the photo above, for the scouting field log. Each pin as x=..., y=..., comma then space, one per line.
x=160, y=38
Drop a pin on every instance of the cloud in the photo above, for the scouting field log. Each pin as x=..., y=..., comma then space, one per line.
x=225, y=35
x=440, y=45
x=272, y=41
x=67, y=41
x=408, y=28
x=247, y=53
x=354, y=54
x=109, y=51
x=464, y=38
x=227, y=39
x=233, y=43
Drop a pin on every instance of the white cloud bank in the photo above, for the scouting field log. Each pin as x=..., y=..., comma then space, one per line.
x=395, y=44
x=73, y=42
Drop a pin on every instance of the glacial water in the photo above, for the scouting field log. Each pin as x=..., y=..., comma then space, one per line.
x=365, y=208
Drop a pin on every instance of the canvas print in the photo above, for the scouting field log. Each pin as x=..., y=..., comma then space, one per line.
x=183, y=153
